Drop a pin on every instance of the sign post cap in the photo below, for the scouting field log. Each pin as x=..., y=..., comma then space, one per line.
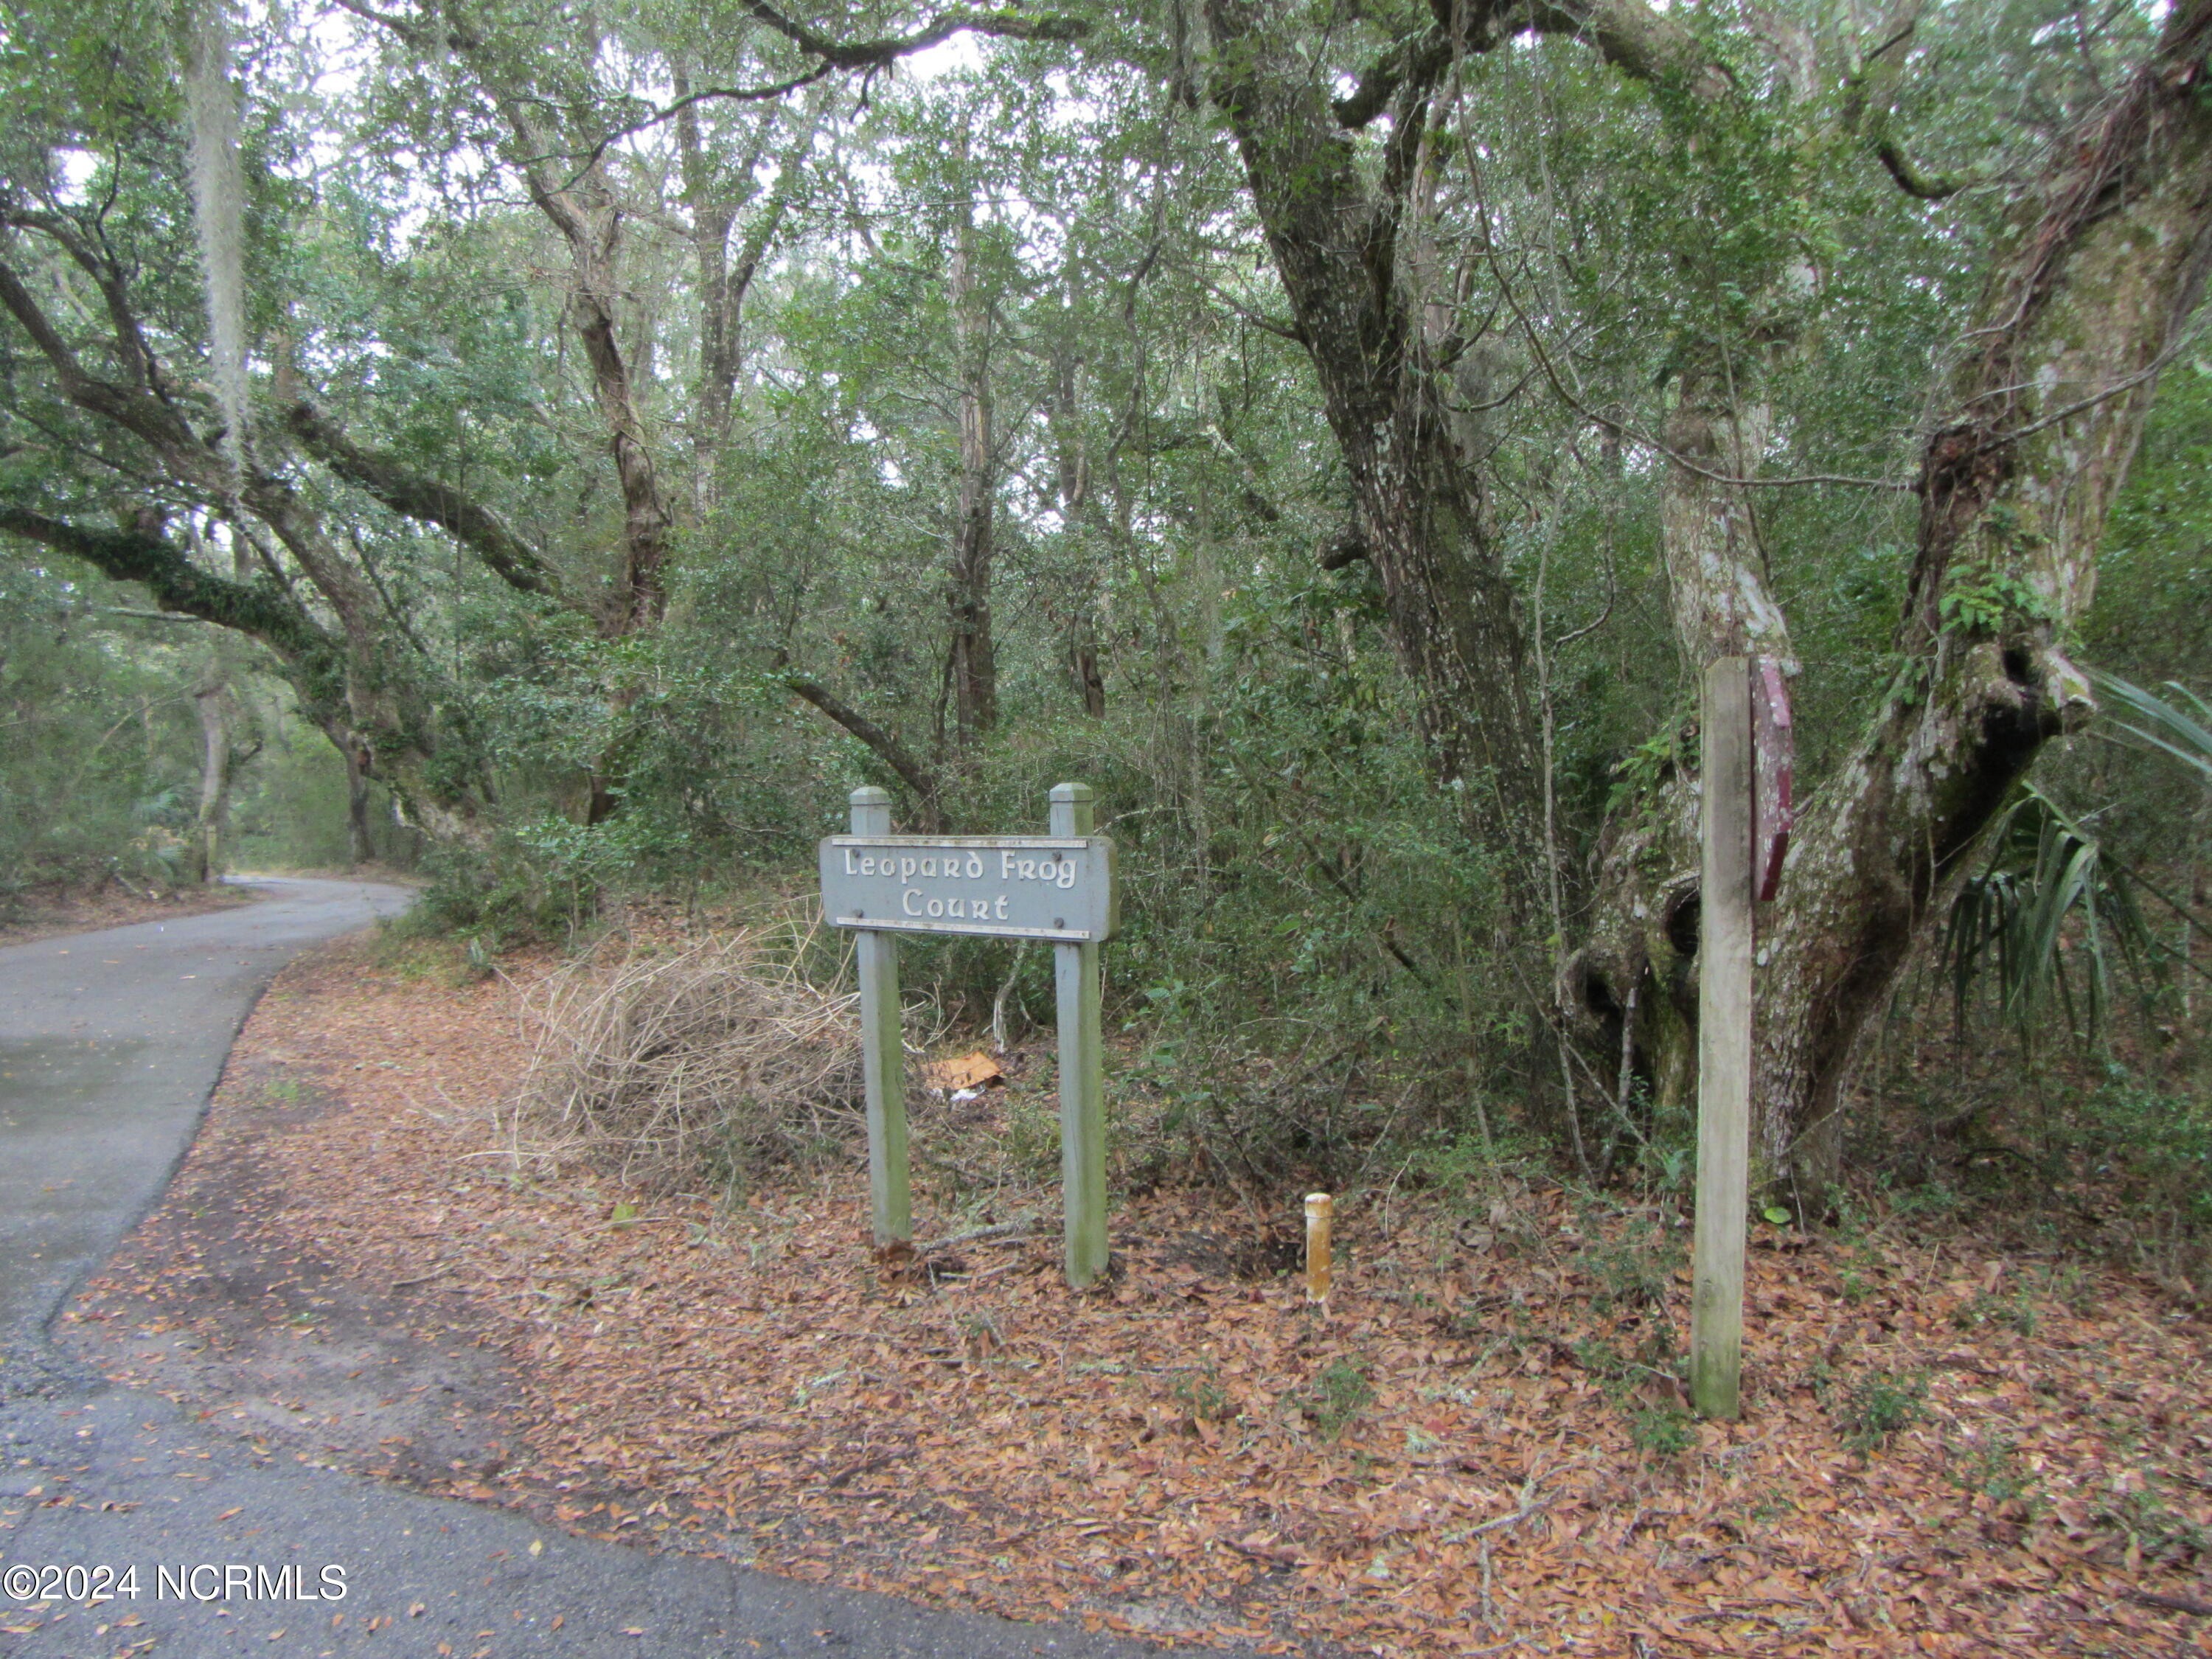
x=869, y=795
x=1065, y=792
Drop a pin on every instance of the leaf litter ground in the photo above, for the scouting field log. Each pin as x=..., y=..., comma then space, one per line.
x=1948, y=1448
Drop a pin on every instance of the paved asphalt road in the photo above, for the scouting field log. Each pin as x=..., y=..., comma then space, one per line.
x=110, y=1045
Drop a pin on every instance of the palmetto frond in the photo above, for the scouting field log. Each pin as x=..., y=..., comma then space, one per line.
x=2045, y=869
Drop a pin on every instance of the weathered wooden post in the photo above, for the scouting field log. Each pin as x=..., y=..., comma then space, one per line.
x=883, y=1052
x=1059, y=887
x=1724, y=1008
x=1082, y=1070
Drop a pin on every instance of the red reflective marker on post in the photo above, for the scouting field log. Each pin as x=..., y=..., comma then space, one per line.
x=1773, y=764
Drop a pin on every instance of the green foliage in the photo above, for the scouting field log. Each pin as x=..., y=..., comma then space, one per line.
x=2149, y=1149
x=2178, y=725
x=99, y=744
x=1878, y=1407
x=1335, y=1398
x=1989, y=601
x=1993, y=1468
x=2046, y=880
x=493, y=897
x=2150, y=623
x=1662, y=1431
x=1638, y=774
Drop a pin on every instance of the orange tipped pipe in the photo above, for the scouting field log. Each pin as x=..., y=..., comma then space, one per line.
x=1319, y=1208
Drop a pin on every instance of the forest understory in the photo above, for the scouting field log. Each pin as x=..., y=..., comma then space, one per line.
x=1958, y=1436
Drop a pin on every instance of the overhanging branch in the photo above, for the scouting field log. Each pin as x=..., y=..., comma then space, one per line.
x=259, y=610
x=432, y=501
x=882, y=53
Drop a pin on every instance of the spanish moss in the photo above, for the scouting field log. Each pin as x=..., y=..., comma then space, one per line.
x=218, y=213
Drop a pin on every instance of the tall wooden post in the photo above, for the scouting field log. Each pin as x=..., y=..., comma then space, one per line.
x=1725, y=963
x=1082, y=1072
x=883, y=1042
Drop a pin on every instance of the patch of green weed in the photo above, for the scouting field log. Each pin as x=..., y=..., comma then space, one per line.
x=1880, y=1406
x=1201, y=1394
x=1662, y=1431
x=1992, y=1469
x=1335, y=1398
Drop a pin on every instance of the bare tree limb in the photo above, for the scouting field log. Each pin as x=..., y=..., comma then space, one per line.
x=882, y=53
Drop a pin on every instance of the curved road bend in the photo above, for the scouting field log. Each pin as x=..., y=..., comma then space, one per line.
x=110, y=1045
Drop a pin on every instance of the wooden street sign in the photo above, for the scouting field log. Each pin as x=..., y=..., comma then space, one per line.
x=1058, y=887
x=1773, y=762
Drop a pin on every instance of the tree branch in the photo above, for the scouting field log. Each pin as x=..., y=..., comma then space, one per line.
x=135, y=411
x=429, y=500
x=882, y=53
x=1637, y=40
x=1421, y=58
x=1921, y=187
x=893, y=753
x=257, y=609
x=729, y=94
x=1870, y=102
x=107, y=274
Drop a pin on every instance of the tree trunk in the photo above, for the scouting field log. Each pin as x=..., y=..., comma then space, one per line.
x=1083, y=665
x=718, y=322
x=583, y=209
x=360, y=847
x=1422, y=514
x=975, y=669
x=213, y=821
x=711, y=219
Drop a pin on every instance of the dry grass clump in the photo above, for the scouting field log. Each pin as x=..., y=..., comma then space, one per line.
x=700, y=1063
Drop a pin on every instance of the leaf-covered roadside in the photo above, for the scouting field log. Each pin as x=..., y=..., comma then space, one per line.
x=1948, y=1448
x=53, y=913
